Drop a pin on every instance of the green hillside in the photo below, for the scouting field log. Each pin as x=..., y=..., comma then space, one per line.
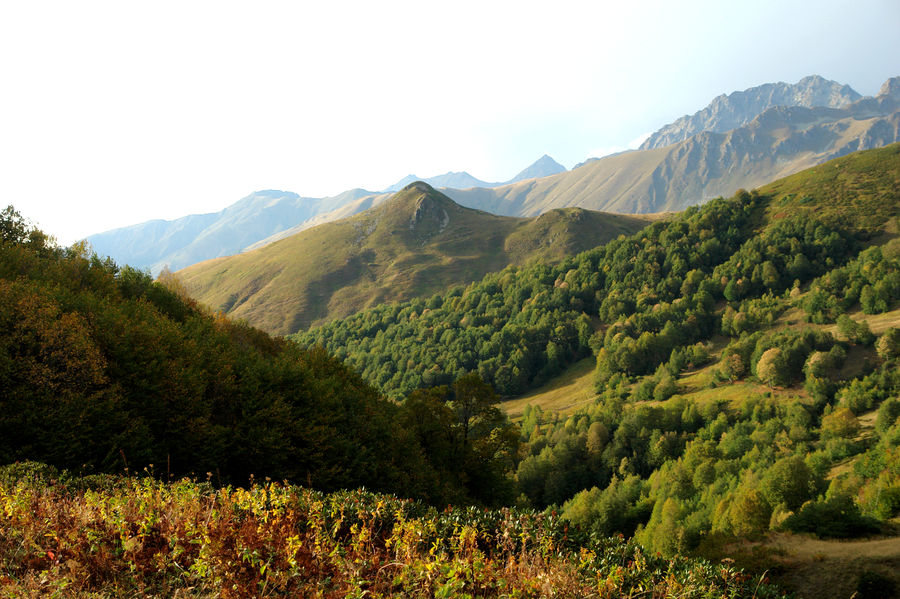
x=519, y=327
x=739, y=389
x=414, y=245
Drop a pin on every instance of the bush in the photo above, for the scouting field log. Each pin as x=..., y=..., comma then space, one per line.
x=836, y=517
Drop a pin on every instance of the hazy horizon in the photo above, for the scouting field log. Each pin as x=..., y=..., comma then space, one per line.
x=117, y=114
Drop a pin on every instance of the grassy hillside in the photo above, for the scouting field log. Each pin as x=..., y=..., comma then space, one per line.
x=861, y=190
x=416, y=244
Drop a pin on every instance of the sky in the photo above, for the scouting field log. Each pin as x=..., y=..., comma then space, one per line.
x=114, y=113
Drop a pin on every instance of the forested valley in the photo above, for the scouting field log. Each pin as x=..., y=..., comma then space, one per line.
x=740, y=389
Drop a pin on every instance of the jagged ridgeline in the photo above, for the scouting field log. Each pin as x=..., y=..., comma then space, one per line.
x=415, y=244
x=520, y=326
x=102, y=368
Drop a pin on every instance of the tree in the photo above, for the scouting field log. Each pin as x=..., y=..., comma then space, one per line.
x=750, y=513
x=888, y=345
x=841, y=424
x=597, y=438
x=788, y=481
x=771, y=367
x=466, y=437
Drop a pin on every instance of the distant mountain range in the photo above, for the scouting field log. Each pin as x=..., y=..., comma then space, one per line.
x=774, y=143
x=744, y=139
x=191, y=239
x=543, y=167
x=259, y=218
x=415, y=244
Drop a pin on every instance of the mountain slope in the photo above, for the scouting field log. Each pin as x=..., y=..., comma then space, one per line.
x=198, y=237
x=518, y=327
x=415, y=244
x=736, y=109
x=778, y=142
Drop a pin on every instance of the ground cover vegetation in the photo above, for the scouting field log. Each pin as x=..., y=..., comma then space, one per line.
x=115, y=536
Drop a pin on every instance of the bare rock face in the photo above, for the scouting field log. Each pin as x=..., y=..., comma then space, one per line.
x=891, y=87
x=430, y=215
x=734, y=110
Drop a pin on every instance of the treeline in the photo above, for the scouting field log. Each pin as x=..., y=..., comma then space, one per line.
x=633, y=301
x=104, y=369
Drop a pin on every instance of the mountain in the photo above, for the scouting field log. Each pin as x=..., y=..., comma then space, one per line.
x=462, y=180
x=856, y=196
x=782, y=130
x=414, y=244
x=542, y=167
x=780, y=141
x=739, y=108
x=259, y=219
x=190, y=239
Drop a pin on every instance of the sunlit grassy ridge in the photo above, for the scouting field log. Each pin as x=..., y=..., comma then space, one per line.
x=861, y=191
x=415, y=244
x=127, y=537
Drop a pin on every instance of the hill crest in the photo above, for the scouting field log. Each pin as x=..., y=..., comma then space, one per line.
x=414, y=244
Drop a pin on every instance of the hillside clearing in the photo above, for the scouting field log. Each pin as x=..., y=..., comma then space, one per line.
x=565, y=394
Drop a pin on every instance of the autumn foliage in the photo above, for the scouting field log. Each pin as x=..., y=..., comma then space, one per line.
x=125, y=537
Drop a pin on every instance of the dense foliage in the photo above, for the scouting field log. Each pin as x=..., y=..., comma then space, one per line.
x=113, y=537
x=103, y=368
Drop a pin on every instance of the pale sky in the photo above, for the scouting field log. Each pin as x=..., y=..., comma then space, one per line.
x=113, y=113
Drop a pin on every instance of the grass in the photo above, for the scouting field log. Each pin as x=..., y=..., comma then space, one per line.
x=415, y=244
x=565, y=394
x=814, y=568
x=878, y=323
x=860, y=190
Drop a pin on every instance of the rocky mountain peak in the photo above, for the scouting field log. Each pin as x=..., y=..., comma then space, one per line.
x=542, y=167
x=727, y=112
x=891, y=87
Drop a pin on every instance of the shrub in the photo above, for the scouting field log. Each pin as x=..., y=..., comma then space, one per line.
x=835, y=517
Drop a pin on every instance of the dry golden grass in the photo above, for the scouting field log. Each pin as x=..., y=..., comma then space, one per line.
x=565, y=394
x=817, y=569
